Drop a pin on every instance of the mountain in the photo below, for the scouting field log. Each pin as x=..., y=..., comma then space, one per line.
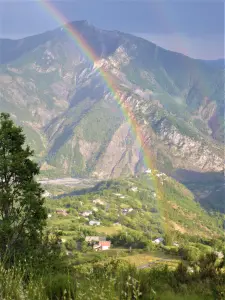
x=216, y=63
x=208, y=188
x=78, y=129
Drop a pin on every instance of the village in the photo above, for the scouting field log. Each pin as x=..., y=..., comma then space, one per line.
x=100, y=243
x=121, y=207
x=125, y=218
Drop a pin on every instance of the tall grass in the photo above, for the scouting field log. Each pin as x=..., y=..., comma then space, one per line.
x=14, y=285
x=112, y=280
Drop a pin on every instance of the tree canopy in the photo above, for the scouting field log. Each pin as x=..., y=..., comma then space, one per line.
x=22, y=213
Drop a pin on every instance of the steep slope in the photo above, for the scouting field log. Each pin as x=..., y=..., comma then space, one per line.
x=77, y=127
x=208, y=188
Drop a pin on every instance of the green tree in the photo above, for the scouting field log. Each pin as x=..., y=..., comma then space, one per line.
x=22, y=214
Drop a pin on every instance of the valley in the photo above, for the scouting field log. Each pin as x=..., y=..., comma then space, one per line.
x=123, y=195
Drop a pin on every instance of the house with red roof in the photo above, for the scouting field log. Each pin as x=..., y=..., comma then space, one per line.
x=102, y=245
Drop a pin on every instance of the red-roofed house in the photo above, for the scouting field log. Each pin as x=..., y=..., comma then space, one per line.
x=102, y=245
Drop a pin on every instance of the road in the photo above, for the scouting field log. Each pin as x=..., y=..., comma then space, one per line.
x=72, y=182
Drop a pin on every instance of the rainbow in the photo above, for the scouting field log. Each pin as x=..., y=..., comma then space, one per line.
x=126, y=109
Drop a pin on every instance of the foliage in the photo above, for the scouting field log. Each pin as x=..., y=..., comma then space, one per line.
x=22, y=214
x=15, y=286
x=117, y=279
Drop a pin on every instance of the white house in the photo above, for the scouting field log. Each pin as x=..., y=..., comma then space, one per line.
x=190, y=269
x=86, y=213
x=134, y=189
x=127, y=210
x=92, y=223
x=219, y=254
x=158, y=241
x=148, y=171
x=47, y=194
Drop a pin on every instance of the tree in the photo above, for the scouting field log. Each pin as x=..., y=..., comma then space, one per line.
x=22, y=214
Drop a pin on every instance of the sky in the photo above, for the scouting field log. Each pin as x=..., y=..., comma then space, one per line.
x=194, y=28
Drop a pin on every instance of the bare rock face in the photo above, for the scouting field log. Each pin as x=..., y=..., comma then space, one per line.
x=118, y=155
x=189, y=153
x=87, y=149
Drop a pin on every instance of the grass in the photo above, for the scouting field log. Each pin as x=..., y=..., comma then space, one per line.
x=12, y=286
x=108, y=230
x=173, y=296
x=155, y=257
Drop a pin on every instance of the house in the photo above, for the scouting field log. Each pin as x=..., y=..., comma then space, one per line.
x=69, y=253
x=86, y=213
x=102, y=245
x=134, y=189
x=90, y=239
x=47, y=194
x=159, y=175
x=92, y=223
x=158, y=241
x=219, y=254
x=190, y=269
x=98, y=201
x=148, y=171
x=116, y=224
x=125, y=211
x=62, y=212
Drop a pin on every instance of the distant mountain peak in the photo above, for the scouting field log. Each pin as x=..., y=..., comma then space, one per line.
x=79, y=23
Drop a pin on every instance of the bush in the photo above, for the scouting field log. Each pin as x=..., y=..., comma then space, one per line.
x=190, y=253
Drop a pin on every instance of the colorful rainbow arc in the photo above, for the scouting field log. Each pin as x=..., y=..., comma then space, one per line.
x=126, y=110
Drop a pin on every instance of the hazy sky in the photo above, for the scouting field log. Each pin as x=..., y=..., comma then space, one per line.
x=195, y=28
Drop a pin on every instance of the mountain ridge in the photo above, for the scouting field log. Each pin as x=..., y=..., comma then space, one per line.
x=65, y=105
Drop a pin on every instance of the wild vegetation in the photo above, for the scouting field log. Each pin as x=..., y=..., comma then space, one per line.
x=44, y=255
